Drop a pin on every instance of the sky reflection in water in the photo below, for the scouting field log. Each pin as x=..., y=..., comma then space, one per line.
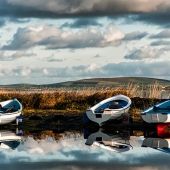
x=70, y=152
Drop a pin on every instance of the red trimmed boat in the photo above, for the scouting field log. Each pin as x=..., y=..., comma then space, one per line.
x=163, y=130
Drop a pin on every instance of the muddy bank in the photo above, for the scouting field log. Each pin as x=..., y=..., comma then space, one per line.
x=73, y=119
x=138, y=104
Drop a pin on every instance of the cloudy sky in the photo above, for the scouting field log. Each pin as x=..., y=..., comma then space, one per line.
x=43, y=42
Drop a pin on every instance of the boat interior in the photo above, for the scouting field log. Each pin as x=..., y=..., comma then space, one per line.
x=115, y=104
x=8, y=109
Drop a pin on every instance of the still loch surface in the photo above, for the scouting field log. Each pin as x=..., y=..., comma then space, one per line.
x=82, y=149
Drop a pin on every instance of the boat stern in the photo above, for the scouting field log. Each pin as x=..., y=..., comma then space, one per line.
x=98, y=117
x=155, y=117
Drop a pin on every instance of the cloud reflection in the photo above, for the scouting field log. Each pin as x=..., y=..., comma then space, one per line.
x=72, y=153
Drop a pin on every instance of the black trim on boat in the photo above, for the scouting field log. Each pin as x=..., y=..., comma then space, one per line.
x=165, y=148
x=98, y=115
x=164, y=113
x=112, y=109
x=159, y=108
x=98, y=138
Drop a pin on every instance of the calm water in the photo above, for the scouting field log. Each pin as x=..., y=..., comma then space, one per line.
x=74, y=150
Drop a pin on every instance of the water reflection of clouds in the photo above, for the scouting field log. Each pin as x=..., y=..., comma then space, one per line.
x=49, y=145
x=76, y=149
x=84, y=165
x=74, y=154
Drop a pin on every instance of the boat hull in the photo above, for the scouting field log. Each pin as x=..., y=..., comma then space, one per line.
x=6, y=135
x=156, y=143
x=8, y=118
x=100, y=118
x=106, y=110
x=9, y=139
x=156, y=118
x=113, y=143
x=159, y=113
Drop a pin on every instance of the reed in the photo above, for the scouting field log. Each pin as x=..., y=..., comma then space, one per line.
x=80, y=99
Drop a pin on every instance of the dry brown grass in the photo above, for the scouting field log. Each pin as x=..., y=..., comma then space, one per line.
x=70, y=99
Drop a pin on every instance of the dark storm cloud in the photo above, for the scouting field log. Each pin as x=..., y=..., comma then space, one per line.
x=18, y=11
x=150, y=12
x=60, y=8
x=80, y=23
x=2, y=22
x=154, y=18
x=117, y=162
x=16, y=20
x=135, y=35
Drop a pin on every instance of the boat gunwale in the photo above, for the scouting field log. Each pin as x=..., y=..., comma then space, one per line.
x=156, y=105
x=15, y=112
x=128, y=100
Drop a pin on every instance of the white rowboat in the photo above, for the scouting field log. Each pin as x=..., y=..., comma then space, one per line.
x=110, y=108
x=9, y=139
x=113, y=143
x=9, y=111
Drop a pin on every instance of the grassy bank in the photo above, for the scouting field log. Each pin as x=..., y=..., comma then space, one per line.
x=70, y=101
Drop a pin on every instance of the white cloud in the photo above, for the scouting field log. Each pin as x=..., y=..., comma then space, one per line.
x=34, y=150
x=135, y=35
x=14, y=56
x=162, y=34
x=54, y=38
x=45, y=71
x=92, y=68
x=147, y=68
x=144, y=52
x=30, y=36
x=113, y=34
x=1, y=74
x=25, y=72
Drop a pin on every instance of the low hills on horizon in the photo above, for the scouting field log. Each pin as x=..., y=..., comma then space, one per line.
x=95, y=82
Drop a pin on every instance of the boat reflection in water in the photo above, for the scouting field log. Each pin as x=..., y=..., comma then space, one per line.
x=10, y=139
x=116, y=142
x=161, y=140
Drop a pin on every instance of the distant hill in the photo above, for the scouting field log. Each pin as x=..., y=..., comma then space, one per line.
x=111, y=82
x=95, y=82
